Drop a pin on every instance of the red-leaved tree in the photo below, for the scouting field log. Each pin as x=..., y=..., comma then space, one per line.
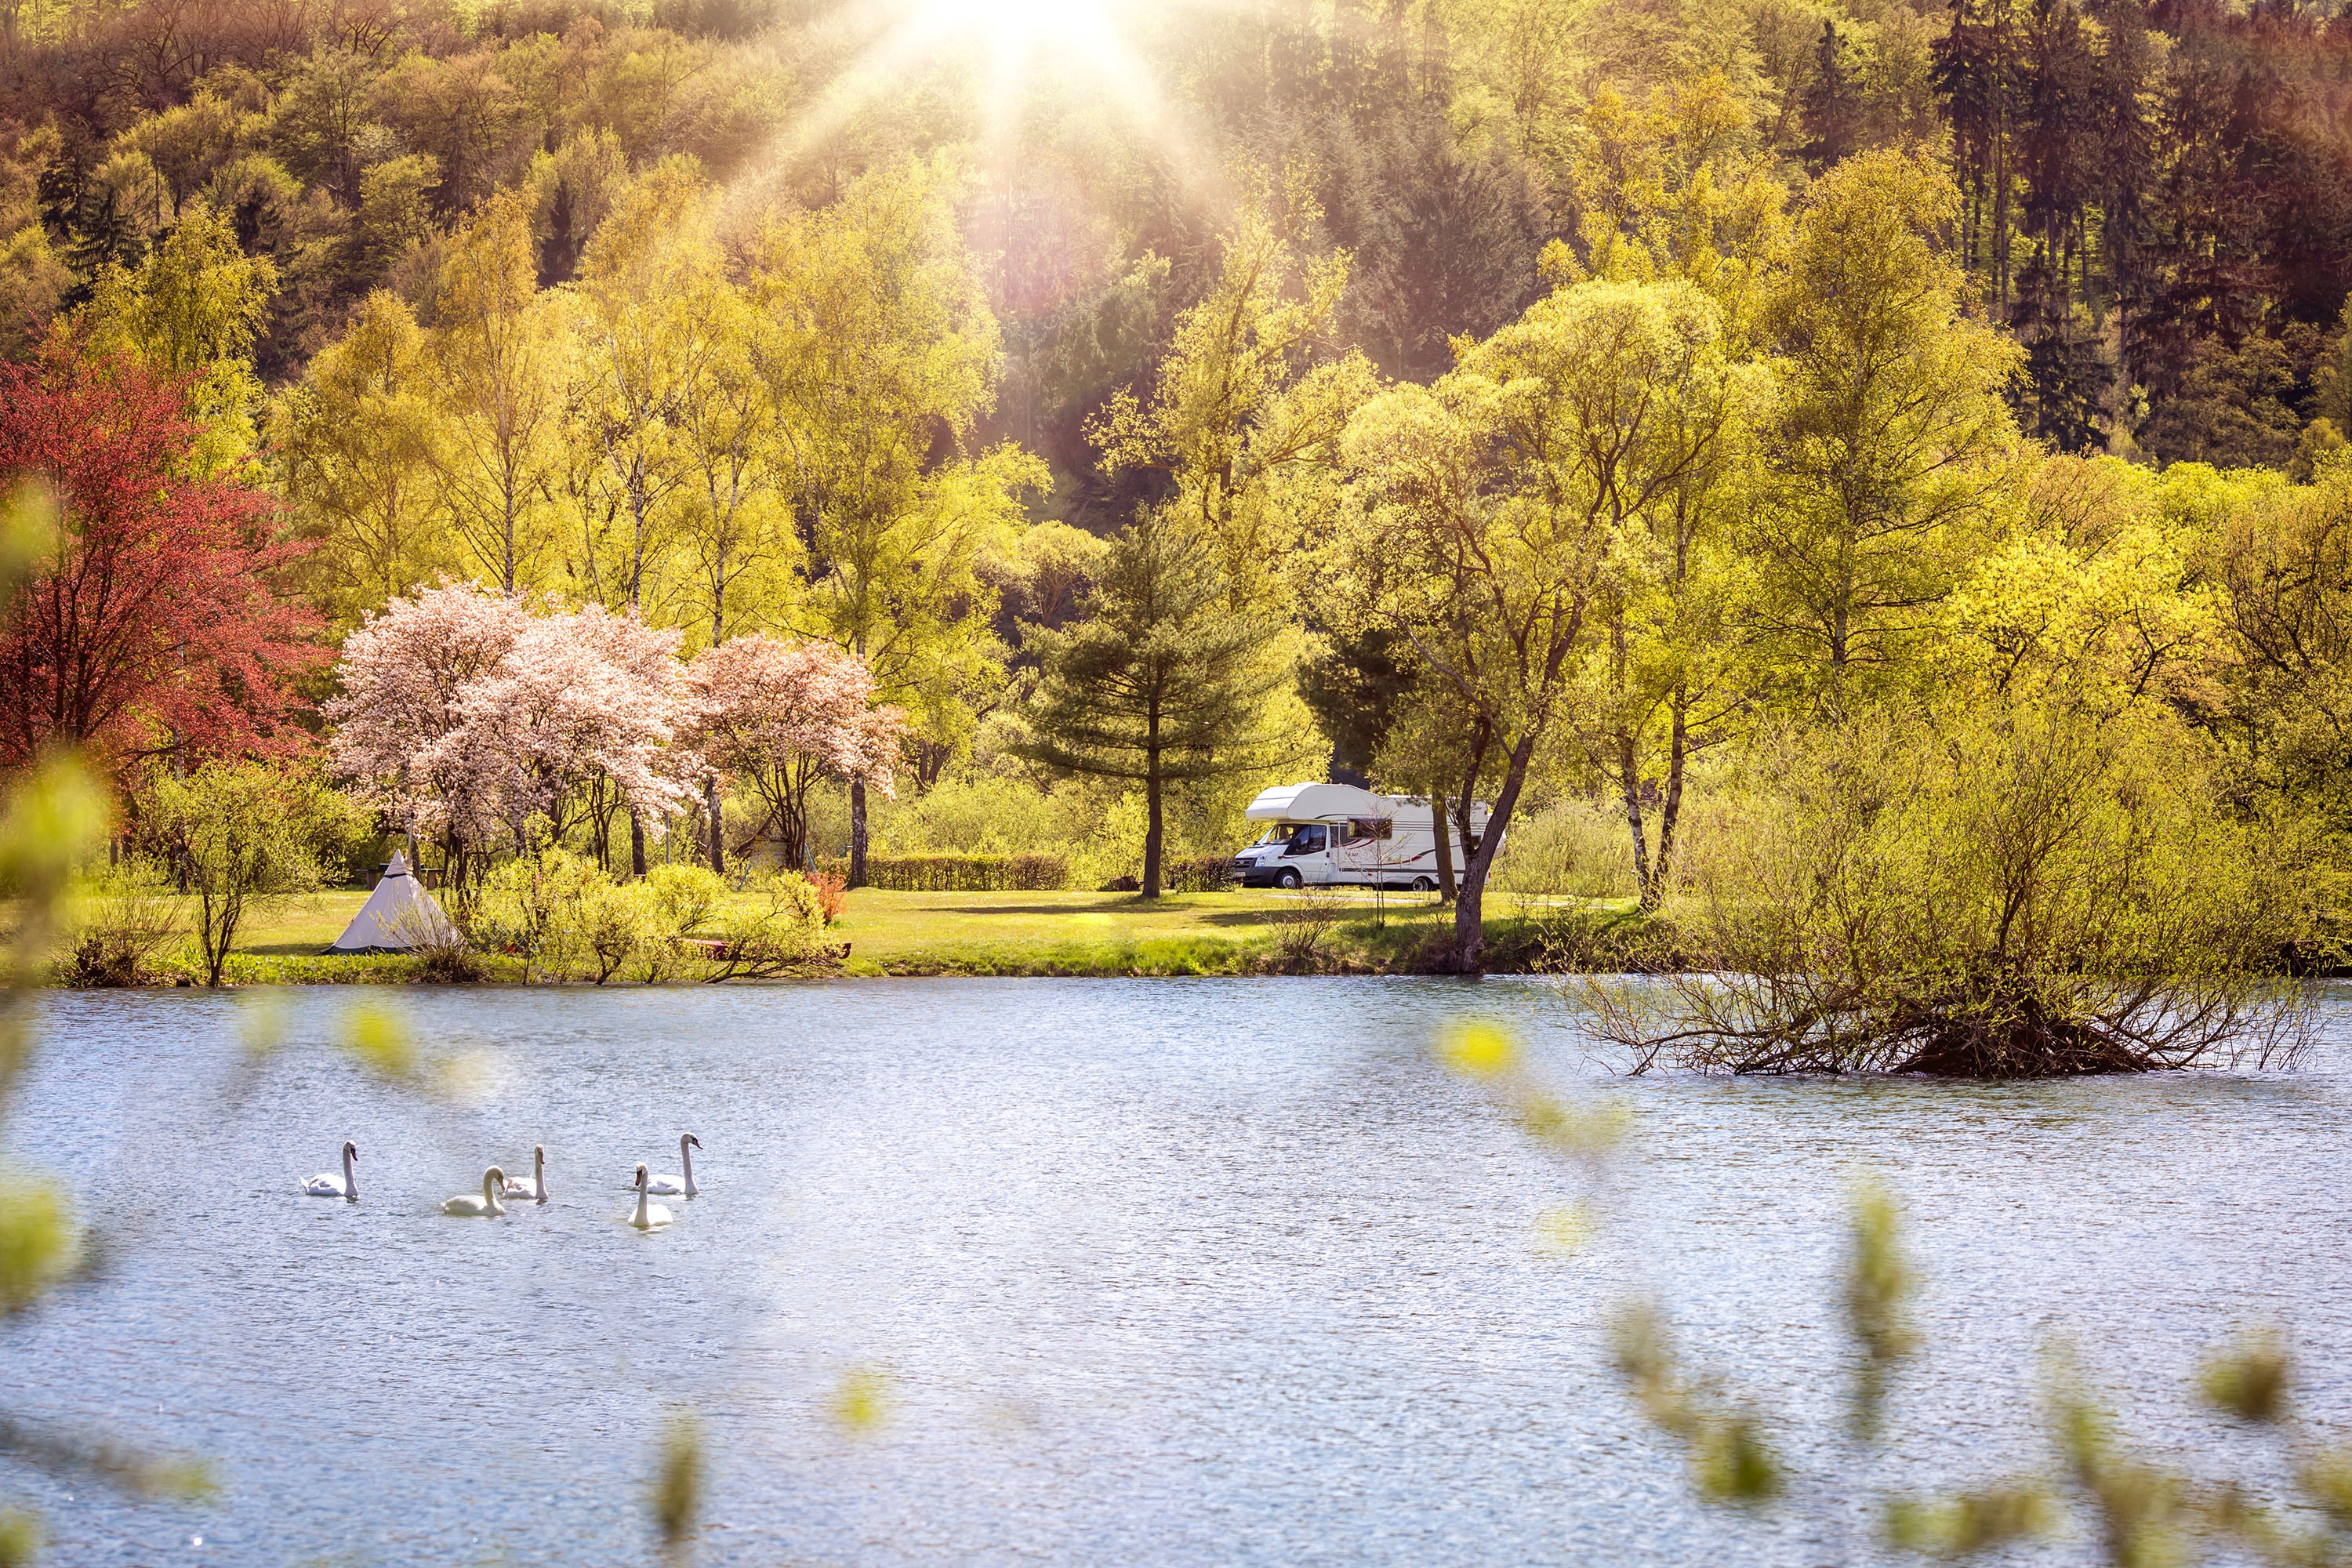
x=151, y=622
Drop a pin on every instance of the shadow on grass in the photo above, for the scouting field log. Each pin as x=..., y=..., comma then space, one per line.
x=1135, y=904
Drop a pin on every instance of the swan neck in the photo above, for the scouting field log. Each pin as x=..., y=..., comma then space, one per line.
x=350, y=1177
x=686, y=1158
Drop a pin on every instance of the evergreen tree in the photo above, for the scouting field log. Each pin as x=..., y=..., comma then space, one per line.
x=1833, y=106
x=1164, y=681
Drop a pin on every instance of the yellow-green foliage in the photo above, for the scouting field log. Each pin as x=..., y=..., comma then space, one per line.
x=1576, y=848
x=39, y=1239
x=240, y=835
x=677, y=1500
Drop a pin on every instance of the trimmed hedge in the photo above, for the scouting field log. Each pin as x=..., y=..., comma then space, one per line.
x=1025, y=873
x=1198, y=873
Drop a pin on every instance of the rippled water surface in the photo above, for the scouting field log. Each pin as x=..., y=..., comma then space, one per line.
x=1154, y=1272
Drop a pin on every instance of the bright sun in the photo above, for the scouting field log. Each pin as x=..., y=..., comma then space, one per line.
x=1012, y=41
x=1078, y=26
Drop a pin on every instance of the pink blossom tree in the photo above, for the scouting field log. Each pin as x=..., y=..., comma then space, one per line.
x=778, y=716
x=465, y=717
x=403, y=673
x=578, y=699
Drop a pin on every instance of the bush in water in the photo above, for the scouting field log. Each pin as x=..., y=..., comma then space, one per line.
x=2031, y=892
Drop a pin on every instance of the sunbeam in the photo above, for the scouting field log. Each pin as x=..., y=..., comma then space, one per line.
x=1007, y=45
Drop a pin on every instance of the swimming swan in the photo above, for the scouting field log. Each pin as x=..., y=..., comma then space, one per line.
x=487, y=1206
x=327, y=1184
x=670, y=1186
x=649, y=1216
x=533, y=1187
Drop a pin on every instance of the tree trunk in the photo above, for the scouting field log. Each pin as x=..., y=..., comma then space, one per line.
x=1469, y=931
x=636, y=844
x=1670, y=811
x=857, y=833
x=710, y=806
x=1446, y=885
x=1630, y=781
x=1152, y=829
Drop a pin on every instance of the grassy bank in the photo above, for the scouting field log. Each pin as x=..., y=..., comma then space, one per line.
x=898, y=933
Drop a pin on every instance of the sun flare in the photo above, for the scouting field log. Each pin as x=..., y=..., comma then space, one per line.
x=1008, y=47
x=1023, y=24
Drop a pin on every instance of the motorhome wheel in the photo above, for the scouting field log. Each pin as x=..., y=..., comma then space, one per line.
x=1424, y=885
x=1288, y=878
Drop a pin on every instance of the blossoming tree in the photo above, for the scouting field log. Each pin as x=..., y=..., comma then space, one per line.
x=779, y=715
x=463, y=716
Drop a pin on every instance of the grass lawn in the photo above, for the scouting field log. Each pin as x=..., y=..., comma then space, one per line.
x=1103, y=933
x=989, y=933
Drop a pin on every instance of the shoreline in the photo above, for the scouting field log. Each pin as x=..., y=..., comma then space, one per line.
x=1235, y=933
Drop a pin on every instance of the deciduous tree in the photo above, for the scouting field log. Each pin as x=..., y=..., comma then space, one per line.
x=355, y=443
x=495, y=357
x=881, y=353
x=1496, y=499
x=1889, y=422
x=779, y=716
x=237, y=835
x=151, y=622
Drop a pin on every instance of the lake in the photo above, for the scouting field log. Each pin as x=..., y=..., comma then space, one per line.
x=1157, y=1272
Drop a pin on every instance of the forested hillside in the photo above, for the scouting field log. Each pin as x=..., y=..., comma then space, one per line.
x=2158, y=198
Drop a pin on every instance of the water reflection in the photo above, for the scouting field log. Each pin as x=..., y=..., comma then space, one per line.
x=1086, y=1271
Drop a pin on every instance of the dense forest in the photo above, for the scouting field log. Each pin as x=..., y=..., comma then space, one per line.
x=1134, y=393
x=2158, y=198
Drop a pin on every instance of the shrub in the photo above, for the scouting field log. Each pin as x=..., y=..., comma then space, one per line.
x=684, y=897
x=1576, y=849
x=771, y=928
x=608, y=924
x=527, y=907
x=1027, y=872
x=1198, y=873
x=1303, y=930
x=123, y=921
x=976, y=815
x=446, y=961
x=2021, y=893
x=831, y=896
x=684, y=900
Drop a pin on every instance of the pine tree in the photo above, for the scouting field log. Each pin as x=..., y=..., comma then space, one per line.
x=1163, y=682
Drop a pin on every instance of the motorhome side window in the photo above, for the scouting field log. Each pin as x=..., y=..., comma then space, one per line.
x=1367, y=830
x=1305, y=840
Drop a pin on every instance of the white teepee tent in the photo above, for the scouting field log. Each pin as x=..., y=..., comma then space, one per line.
x=398, y=917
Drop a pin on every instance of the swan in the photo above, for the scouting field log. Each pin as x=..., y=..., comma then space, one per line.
x=533, y=1187
x=327, y=1184
x=649, y=1216
x=487, y=1206
x=671, y=1186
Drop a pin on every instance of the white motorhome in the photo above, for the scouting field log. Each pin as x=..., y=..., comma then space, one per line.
x=1330, y=835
